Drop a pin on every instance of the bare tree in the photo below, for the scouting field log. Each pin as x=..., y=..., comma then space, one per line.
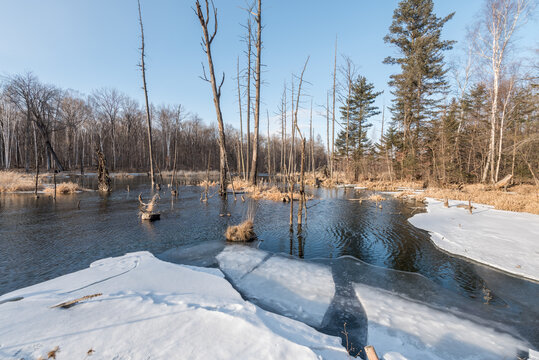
x=40, y=103
x=241, y=164
x=108, y=104
x=333, y=112
x=493, y=37
x=207, y=39
x=148, y=117
x=254, y=164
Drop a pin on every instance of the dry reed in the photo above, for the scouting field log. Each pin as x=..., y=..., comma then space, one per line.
x=521, y=199
x=12, y=181
x=243, y=232
x=376, y=197
x=63, y=188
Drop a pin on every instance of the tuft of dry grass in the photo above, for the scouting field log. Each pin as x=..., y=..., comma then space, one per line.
x=418, y=196
x=123, y=175
x=52, y=354
x=274, y=194
x=376, y=197
x=11, y=181
x=523, y=198
x=239, y=184
x=63, y=188
x=243, y=232
x=208, y=183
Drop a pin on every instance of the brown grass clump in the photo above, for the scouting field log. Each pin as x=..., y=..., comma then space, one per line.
x=418, y=196
x=239, y=184
x=11, y=181
x=523, y=198
x=123, y=175
x=383, y=185
x=376, y=197
x=63, y=188
x=209, y=183
x=273, y=194
x=243, y=232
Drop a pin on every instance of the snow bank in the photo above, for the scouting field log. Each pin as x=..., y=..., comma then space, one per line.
x=502, y=239
x=400, y=328
x=295, y=288
x=150, y=309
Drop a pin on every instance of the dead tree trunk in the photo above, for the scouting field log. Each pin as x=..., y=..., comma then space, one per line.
x=254, y=164
x=242, y=163
x=148, y=118
x=103, y=179
x=333, y=112
x=207, y=40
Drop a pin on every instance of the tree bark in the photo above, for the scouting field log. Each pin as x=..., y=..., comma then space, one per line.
x=254, y=164
x=148, y=118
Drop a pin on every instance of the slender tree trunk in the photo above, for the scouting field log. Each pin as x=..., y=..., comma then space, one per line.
x=249, y=49
x=148, y=117
x=207, y=40
x=268, y=160
x=242, y=164
x=333, y=112
x=254, y=165
x=327, y=131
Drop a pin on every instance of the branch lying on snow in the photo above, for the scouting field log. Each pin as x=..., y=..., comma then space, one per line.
x=71, y=303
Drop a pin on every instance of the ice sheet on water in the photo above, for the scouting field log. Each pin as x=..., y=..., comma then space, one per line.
x=406, y=315
x=295, y=288
x=197, y=255
x=503, y=239
x=151, y=309
x=416, y=330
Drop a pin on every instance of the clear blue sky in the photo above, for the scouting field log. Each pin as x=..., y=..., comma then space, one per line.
x=84, y=45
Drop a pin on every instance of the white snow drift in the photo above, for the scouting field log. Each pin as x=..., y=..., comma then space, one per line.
x=503, y=239
x=295, y=288
x=150, y=309
x=401, y=328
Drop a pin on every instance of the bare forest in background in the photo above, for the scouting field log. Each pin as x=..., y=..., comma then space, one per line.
x=472, y=120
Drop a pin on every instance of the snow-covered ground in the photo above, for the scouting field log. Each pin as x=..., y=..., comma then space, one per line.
x=294, y=288
x=154, y=309
x=502, y=239
x=400, y=328
x=150, y=309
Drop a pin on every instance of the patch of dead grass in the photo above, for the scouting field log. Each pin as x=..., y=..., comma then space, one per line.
x=376, y=197
x=12, y=181
x=209, y=183
x=243, y=232
x=65, y=188
x=522, y=198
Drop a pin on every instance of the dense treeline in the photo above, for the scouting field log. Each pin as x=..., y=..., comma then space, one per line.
x=63, y=129
x=481, y=130
x=476, y=122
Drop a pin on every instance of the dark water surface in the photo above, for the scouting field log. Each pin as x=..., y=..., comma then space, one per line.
x=42, y=239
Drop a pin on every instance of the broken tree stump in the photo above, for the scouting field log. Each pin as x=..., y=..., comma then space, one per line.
x=103, y=179
x=503, y=182
x=147, y=211
x=371, y=353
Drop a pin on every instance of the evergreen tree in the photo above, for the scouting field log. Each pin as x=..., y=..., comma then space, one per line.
x=416, y=32
x=355, y=113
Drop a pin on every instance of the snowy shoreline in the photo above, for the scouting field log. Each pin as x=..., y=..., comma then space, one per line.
x=149, y=308
x=505, y=240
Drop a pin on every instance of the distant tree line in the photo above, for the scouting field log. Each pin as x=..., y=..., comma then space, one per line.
x=484, y=127
x=61, y=129
x=472, y=122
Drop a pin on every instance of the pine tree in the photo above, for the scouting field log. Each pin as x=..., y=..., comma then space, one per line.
x=416, y=32
x=361, y=107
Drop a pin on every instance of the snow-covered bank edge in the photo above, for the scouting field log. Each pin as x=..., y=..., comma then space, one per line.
x=151, y=309
x=508, y=241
